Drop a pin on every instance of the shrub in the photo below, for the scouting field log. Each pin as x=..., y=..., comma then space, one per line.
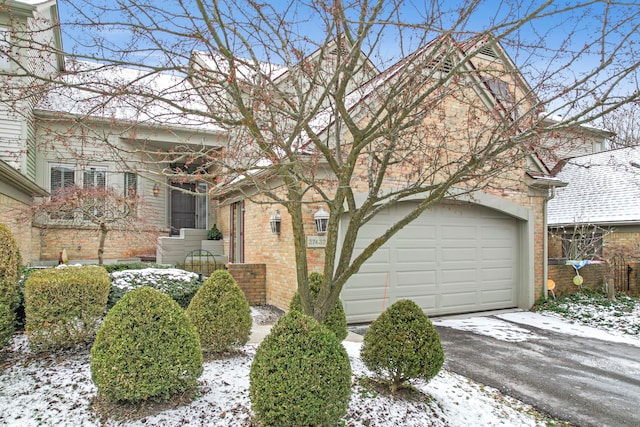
x=64, y=306
x=6, y=325
x=402, y=344
x=300, y=375
x=336, y=320
x=112, y=268
x=214, y=233
x=9, y=268
x=220, y=313
x=180, y=285
x=146, y=348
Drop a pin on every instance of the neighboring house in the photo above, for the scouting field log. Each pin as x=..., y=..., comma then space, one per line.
x=598, y=210
x=473, y=254
x=55, y=137
x=19, y=45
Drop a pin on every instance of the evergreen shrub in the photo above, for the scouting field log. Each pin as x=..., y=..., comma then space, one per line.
x=180, y=285
x=300, y=375
x=64, y=305
x=221, y=314
x=9, y=269
x=146, y=348
x=402, y=344
x=336, y=320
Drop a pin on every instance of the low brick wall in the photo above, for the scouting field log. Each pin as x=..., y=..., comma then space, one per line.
x=252, y=279
x=593, y=278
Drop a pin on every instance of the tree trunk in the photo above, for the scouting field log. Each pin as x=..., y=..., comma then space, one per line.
x=103, y=236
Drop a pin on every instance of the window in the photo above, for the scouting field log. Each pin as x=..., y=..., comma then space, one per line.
x=501, y=90
x=61, y=177
x=582, y=246
x=5, y=48
x=94, y=177
x=130, y=184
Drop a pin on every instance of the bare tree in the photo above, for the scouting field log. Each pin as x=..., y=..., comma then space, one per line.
x=104, y=207
x=358, y=105
x=625, y=122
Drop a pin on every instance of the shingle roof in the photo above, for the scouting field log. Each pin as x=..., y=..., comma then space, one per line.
x=111, y=92
x=604, y=188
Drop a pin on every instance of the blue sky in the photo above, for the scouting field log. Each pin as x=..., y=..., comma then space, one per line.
x=558, y=41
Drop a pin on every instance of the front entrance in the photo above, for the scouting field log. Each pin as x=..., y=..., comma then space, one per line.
x=188, y=209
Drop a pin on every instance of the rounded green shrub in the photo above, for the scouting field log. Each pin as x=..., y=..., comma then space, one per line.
x=402, y=344
x=179, y=284
x=9, y=269
x=64, y=305
x=221, y=314
x=300, y=375
x=146, y=348
x=6, y=325
x=336, y=320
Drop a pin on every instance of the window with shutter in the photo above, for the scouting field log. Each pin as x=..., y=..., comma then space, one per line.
x=130, y=184
x=94, y=177
x=61, y=177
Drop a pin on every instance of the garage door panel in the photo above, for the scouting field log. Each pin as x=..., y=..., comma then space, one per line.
x=424, y=279
x=458, y=254
x=466, y=300
x=412, y=255
x=449, y=260
x=491, y=274
x=496, y=297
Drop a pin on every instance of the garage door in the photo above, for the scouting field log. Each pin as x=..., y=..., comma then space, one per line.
x=452, y=259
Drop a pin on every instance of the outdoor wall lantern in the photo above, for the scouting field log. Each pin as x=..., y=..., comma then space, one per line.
x=275, y=221
x=156, y=190
x=322, y=220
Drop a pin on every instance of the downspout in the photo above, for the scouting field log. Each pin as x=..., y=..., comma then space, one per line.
x=545, y=245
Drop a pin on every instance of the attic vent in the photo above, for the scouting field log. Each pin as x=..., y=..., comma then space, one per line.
x=442, y=63
x=487, y=50
x=343, y=51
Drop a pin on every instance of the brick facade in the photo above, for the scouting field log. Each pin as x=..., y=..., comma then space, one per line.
x=252, y=280
x=16, y=216
x=81, y=243
x=623, y=238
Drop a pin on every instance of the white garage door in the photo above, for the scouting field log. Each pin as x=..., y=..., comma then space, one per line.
x=452, y=259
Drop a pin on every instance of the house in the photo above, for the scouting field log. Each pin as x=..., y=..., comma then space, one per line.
x=597, y=216
x=19, y=42
x=479, y=248
x=480, y=251
x=128, y=142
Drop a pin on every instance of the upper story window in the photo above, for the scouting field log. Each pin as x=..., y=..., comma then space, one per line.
x=501, y=91
x=94, y=177
x=62, y=177
x=130, y=184
x=5, y=48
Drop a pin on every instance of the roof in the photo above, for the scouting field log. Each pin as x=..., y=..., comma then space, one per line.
x=110, y=92
x=17, y=180
x=604, y=188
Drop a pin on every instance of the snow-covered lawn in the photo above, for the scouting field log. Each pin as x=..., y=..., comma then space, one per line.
x=56, y=390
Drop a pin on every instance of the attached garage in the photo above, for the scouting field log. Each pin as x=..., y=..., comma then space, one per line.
x=455, y=258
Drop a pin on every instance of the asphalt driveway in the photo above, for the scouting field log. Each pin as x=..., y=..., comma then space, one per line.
x=585, y=381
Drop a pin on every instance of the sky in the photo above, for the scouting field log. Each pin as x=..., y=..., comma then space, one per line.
x=554, y=44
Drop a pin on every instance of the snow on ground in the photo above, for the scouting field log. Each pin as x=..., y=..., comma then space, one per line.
x=490, y=327
x=57, y=391
x=556, y=323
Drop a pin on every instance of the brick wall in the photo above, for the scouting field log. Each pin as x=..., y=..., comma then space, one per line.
x=82, y=243
x=17, y=217
x=252, y=280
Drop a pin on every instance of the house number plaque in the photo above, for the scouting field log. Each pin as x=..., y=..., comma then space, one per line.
x=316, y=241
